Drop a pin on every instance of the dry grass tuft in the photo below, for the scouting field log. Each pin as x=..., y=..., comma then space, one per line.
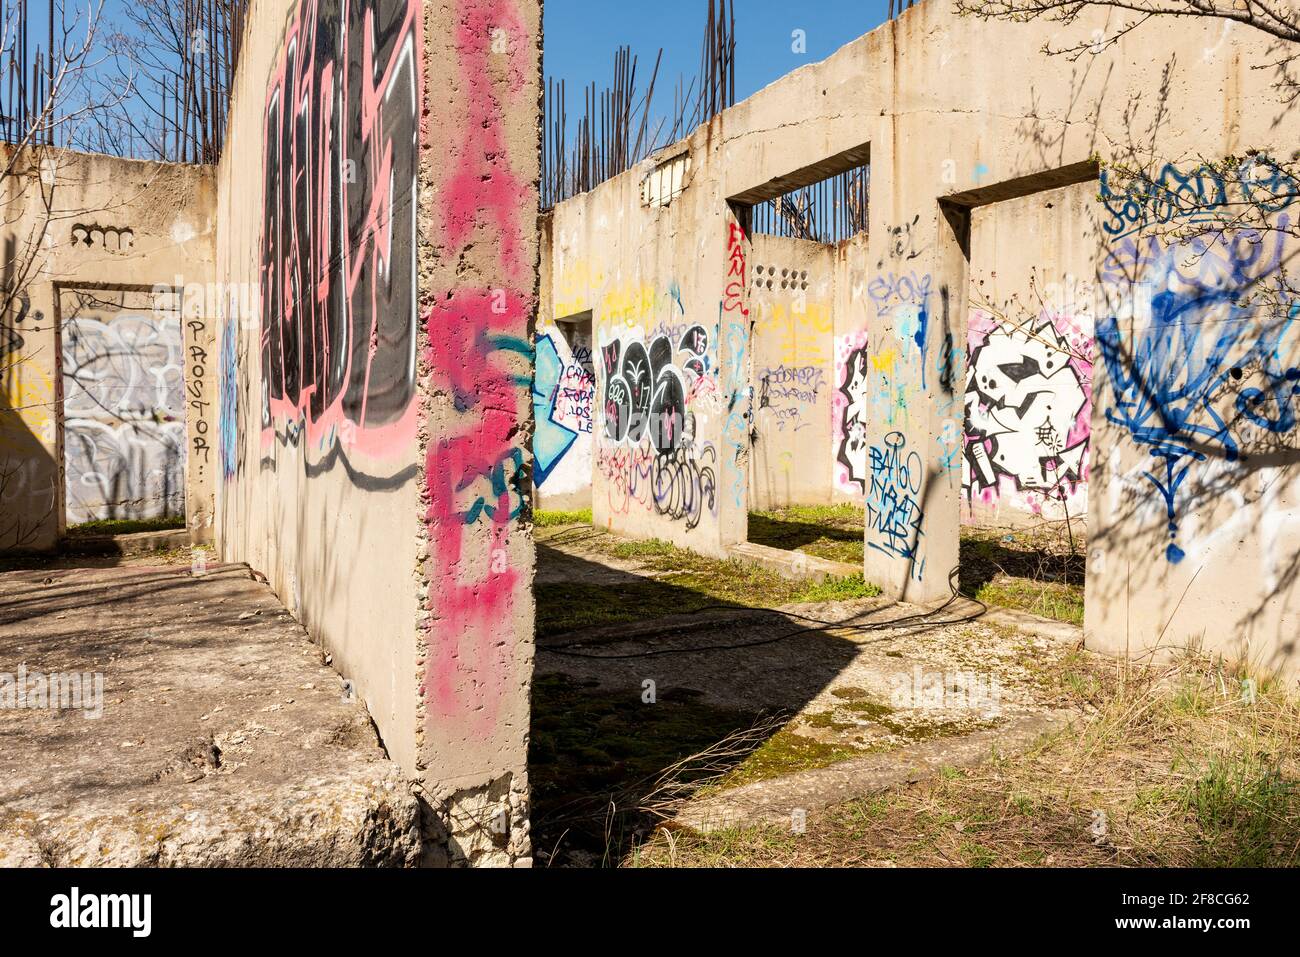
x=1185, y=766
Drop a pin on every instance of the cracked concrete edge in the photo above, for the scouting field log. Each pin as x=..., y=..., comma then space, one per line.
x=360, y=821
x=1031, y=624
x=794, y=565
x=775, y=800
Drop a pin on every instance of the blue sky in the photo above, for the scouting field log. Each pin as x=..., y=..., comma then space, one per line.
x=582, y=35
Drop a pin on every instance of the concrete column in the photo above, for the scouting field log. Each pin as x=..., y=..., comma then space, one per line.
x=915, y=375
x=736, y=380
x=478, y=251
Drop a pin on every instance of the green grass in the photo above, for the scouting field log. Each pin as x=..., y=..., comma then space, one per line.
x=786, y=753
x=126, y=526
x=841, y=516
x=1178, y=769
x=1243, y=810
x=833, y=532
x=1048, y=599
x=594, y=754
x=1018, y=570
x=548, y=519
x=1029, y=569
x=683, y=582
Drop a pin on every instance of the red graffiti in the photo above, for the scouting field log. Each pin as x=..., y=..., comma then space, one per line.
x=734, y=295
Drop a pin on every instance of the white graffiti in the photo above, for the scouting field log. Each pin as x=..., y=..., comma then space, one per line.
x=1023, y=400
x=133, y=470
x=125, y=417
x=853, y=443
x=130, y=368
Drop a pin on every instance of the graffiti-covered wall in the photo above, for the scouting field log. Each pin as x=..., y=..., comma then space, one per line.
x=792, y=298
x=385, y=239
x=1029, y=340
x=1196, y=474
x=1028, y=330
x=672, y=391
x=124, y=407
x=317, y=404
x=106, y=397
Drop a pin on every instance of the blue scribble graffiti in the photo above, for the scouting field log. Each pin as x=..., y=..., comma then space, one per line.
x=1167, y=377
x=894, y=513
x=228, y=424
x=1199, y=195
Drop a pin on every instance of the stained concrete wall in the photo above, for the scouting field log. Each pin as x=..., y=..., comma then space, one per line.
x=564, y=394
x=966, y=148
x=92, y=245
x=792, y=366
x=1195, y=485
x=1029, y=342
x=667, y=291
x=378, y=251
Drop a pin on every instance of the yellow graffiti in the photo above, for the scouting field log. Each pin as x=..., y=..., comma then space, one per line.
x=629, y=305
x=797, y=331
x=884, y=361
x=26, y=401
x=573, y=288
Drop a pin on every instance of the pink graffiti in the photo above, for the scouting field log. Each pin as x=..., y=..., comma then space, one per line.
x=472, y=462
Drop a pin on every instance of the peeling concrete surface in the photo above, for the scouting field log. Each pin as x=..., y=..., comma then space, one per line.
x=224, y=740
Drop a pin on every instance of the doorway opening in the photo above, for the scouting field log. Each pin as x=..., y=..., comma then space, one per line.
x=123, y=378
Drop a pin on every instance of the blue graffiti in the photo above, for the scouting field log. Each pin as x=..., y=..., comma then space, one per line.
x=1167, y=377
x=550, y=439
x=894, y=512
x=1202, y=194
x=229, y=412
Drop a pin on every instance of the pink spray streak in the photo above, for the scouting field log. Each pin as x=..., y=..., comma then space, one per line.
x=471, y=633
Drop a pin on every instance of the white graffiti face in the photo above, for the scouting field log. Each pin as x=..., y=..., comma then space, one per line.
x=1023, y=396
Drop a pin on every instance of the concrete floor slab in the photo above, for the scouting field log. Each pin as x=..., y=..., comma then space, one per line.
x=779, y=800
x=224, y=739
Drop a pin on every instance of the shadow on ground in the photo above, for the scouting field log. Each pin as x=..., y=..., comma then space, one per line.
x=983, y=559
x=617, y=707
x=832, y=540
x=1035, y=568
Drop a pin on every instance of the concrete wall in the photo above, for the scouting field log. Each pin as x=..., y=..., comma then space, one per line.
x=967, y=151
x=1195, y=519
x=564, y=394
x=792, y=313
x=1029, y=340
x=109, y=262
x=378, y=252
x=667, y=293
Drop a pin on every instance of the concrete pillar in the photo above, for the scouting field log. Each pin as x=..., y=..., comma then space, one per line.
x=736, y=380
x=477, y=259
x=915, y=378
